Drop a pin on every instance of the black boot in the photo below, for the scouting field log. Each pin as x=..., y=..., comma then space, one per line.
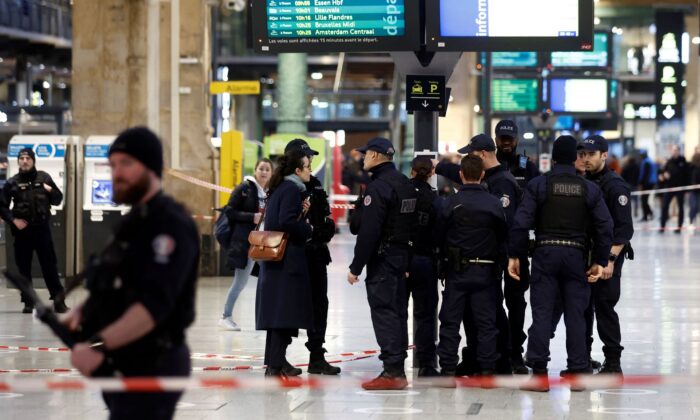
x=611, y=367
x=289, y=370
x=572, y=373
x=468, y=365
x=539, y=381
x=595, y=365
x=274, y=372
x=319, y=366
x=59, y=304
x=28, y=308
x=518, y=364
x=427, y=371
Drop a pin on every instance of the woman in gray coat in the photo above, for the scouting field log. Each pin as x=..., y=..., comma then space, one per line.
x=283, y=301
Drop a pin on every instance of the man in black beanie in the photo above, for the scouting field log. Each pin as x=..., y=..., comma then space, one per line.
x=562, y=207
x=142, y=290
x=33, y=193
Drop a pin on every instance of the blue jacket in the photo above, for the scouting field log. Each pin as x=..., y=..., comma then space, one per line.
x=534, y=197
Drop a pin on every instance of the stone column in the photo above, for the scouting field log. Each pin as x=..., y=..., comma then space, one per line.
x=291, y=94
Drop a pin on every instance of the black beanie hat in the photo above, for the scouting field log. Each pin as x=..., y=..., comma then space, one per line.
x=564, y=150
x=142, y=144
x=27, y=151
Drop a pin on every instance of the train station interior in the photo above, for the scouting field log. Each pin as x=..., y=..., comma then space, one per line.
x=225, y=83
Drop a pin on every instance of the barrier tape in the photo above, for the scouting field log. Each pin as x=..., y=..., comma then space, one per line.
x=173, y=384
x=667, y=190
x=28, y=348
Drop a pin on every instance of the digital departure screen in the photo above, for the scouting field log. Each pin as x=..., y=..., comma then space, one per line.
x=102, y=191
x=517, y=59
x=335, y=25
x=510, y=25
x=514, y=95
x=596, y=58
x=579, y=96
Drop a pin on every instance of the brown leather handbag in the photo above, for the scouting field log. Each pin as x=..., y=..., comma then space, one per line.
x=267, y=245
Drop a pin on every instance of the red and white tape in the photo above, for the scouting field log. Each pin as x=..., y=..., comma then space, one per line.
x=170, y=384
x=28, y=348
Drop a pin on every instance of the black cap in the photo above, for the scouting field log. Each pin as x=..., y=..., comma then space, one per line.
x=506, y=128
x=564, y=150
x=480, y=142
x=142, y=144
x=594, y=143
x=379, y=144
x=302, y=145
x=27, y=151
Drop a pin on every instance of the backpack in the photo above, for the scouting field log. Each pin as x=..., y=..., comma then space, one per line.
x=222, y=229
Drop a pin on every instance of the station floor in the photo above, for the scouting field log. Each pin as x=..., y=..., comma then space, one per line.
x=659, y=311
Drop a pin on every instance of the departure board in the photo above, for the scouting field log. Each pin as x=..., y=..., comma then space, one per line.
x=514, y=95
x=515, y=59
x=335, y=25
x=597, y=58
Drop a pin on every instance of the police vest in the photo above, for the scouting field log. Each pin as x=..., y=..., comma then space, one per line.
x=564, y=211
x=424, y=210
x=31, y=201
x=399, y=227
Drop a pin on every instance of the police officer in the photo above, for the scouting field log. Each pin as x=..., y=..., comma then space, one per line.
x=142, y=286
x=423, y=277
x=475, y=233
x=606, y=293
x=33, y=193
x=384, y=246
x=501, y=184
x=507, y=142
x=318, y=257
x=560, y=206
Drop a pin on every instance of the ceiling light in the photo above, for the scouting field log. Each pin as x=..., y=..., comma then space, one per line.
x=317, y=76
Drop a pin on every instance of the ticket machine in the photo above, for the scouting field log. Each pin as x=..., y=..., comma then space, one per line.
x=56, y=156
x=99, y=213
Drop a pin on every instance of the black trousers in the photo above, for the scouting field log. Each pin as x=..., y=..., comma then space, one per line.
x=151, y=405
x=276, y=343
x=514, y=293
x=606, y=294
x=666, y=203
x=475, y=291
x=503, y=339
x=644, y=198
x=588, y=314
x=387, y=298
x=37, y=238
x=318, y=275
x=423, y=287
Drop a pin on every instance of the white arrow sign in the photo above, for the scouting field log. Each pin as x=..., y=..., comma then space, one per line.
x=669, y=112
x=425, y=104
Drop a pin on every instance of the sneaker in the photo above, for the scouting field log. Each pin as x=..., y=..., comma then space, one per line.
x=228, y=324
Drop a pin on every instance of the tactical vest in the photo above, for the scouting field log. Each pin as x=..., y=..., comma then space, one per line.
x=564, y=211
x=424, y=209
x=31, y=202
x=401, y=220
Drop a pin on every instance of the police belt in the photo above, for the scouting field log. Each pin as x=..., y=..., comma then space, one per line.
x=560, y=242
x=476, y=261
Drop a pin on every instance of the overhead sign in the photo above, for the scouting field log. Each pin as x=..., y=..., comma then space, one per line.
x=246, y=87
x=597, y=58
x=509, y=25
x=639, y=112
x=425, y=93
x=335, y=25
x=670, y=70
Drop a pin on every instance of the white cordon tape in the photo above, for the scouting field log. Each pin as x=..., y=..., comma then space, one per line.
x=170, y=384
x=667, y=190
x=28, y=348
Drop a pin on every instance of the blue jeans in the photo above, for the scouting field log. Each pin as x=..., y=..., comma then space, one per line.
x=240, y=279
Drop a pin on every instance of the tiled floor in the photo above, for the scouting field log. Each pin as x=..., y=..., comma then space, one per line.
x=660, y=313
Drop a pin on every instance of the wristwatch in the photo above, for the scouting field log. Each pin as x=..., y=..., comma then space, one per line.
x=612, y=257
x=97, y=343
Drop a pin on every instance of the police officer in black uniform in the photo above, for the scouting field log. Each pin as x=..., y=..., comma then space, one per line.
x=423, y=277
x=33, y=193
x=606, y=293
x=518, y=164
x=501, y=184
x=561, y=206
x=142, y=286
x=474, y=232
x=318, y=257
x=384, y=245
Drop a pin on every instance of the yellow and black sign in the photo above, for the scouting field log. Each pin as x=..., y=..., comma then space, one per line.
x=425, y=93
x=241, y=87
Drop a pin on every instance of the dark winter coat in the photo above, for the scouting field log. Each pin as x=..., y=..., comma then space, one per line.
x=283, y=298
x=240, y=210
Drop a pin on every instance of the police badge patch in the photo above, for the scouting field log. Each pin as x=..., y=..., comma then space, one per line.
x=623, y=200
x=368, y=200
x=163, y=246
x=505, y=200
